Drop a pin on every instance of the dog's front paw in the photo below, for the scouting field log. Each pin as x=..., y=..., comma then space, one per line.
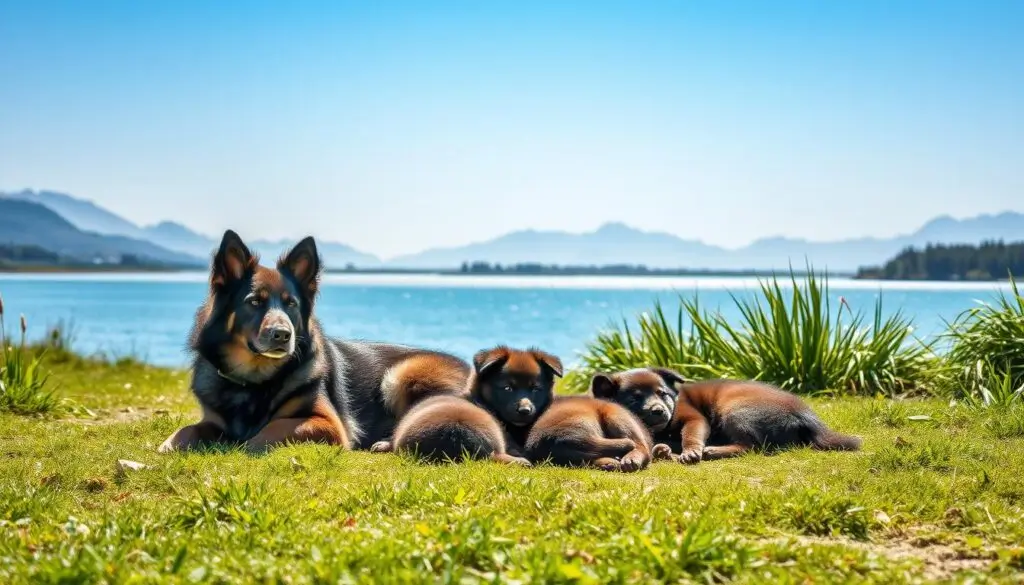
x=168, y=446
x=180, y=440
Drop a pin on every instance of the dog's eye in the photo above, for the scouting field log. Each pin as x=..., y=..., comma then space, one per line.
x=291, y=302
x=255, y=301
x=508, y=388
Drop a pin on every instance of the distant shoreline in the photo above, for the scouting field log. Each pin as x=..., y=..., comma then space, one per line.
x=86, y=269
x=106, y=269
x=117, y=269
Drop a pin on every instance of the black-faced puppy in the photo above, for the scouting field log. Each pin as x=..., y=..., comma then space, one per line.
x=714, y=419
x=264, y=374
x=581, y=431
x=509, y=389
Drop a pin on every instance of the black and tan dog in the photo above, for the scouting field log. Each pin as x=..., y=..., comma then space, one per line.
x=714, y=419
x=509, y=389
x=264, y=373
x=579, y=431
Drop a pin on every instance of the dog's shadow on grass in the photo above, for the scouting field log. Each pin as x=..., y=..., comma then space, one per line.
x=224, y=448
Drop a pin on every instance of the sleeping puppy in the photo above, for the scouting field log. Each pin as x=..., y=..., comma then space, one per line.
x=714, y=419
x=508, y=390
x=580, y=431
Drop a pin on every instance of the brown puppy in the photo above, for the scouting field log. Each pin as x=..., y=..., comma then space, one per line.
x=583, y=431
x=509, y=389
x=264, y=374
x=717, y=418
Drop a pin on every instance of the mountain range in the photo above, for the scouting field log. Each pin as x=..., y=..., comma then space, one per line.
x=617, y=243
x=172, y=236
x=28, y=223
x=612, y=243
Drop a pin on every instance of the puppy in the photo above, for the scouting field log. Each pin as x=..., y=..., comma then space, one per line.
x=581, y=431
x=715, y=419
x=509, y=389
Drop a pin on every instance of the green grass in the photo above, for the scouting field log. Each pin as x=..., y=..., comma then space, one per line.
x=24, y=387
x=790, y=335
x=936, y=494
x=986, y=356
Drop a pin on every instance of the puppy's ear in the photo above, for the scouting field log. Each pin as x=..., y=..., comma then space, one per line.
x=672, y=378
x=487, y=361
x=546, y=360
x=232, y=261
x=603, y=386
x=303, y=263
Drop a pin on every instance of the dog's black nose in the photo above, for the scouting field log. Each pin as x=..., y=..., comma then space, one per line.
x=525, y=409
x=280, y=334
x=658, y=410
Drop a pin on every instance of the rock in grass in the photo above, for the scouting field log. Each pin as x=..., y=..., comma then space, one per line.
x=125, y=466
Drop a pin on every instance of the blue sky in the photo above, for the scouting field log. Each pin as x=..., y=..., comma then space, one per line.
x=396, y=126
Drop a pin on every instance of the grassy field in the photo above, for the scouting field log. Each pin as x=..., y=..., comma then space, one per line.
x=937, y=494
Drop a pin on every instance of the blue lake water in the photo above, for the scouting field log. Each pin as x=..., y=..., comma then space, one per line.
x=149, y=315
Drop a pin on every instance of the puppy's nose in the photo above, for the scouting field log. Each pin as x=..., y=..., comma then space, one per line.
x=658, y=410
x=525, y=408
x=280, y=334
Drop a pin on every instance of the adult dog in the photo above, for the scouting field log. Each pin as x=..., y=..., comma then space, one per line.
x=264, y=373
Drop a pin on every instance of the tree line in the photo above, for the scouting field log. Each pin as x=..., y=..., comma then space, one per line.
x=605, y=270
x=987, y=261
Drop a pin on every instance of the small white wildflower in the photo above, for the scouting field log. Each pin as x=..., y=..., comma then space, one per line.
x=73, y=527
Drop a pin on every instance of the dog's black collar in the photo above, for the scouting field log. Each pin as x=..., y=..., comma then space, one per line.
x=232, y=379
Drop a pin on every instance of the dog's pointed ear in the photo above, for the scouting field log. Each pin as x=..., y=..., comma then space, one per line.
x=303, y=264
x=603, y=386
x=488, y=360
x=232, y=261
x=672, y=378
x=546, y=360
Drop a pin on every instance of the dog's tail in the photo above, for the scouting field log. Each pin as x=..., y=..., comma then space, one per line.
x=820, y=437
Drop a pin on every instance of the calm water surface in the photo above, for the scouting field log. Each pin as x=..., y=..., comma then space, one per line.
x=149, y=315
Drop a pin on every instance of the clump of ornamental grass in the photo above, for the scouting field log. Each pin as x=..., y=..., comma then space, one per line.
x=986, y=351
x=24, y=383
x=792, y=336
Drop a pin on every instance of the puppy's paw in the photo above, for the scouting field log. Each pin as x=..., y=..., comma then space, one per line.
x=633, y=461
x=690, y=456
x=382, y=447
x=511, y=460
x=661, y=451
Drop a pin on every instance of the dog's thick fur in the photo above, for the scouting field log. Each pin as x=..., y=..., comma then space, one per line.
x=580, y=431
x=509, y=389
x=714, y=419
x=264, y=373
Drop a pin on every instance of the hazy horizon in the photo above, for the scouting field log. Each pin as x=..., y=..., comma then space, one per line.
x=401, y=127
